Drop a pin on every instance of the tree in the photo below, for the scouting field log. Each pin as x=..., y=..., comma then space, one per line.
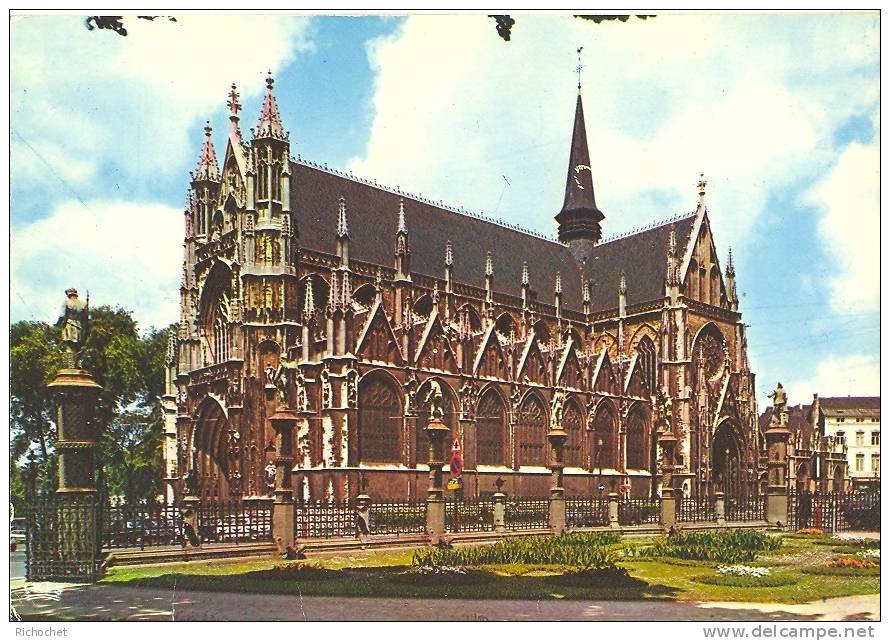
x=130, y=370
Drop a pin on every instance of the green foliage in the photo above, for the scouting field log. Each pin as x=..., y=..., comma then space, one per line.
x=728, y=546
x=734, y=581
x=130, y=370
x=583, y=551
x=824, y=570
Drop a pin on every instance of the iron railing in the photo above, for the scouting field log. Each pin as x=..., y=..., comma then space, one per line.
x=639, y=511
x=235, y=521
x=324, y=519
x=140, y=525
x=527, y=514
x=835, y=512
x=745, y=508
x=469, y=514
x=398, y=517
x=62, y=538
x=587, y=512
x=693, y=509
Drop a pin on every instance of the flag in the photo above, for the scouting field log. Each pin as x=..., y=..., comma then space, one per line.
x=457, y=459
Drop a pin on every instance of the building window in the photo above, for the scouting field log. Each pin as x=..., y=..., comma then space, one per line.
x=875, y=438
x=605, y=431
x=860, y=438
x=859, y=420
x=574, y=427
x=876, y=463
x=841, y=437
x=840, y=419
x=637, y=436
x=490, y=429
x=646, y=351
x=380, y=421
x=860, y=462
x=875, y=420
x=531, y=432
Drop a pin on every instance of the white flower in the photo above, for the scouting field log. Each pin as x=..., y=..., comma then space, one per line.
x=872, y=554
x=441, y=569
x=742, y=570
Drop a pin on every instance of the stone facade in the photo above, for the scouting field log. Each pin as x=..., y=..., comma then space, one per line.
x=341, y=299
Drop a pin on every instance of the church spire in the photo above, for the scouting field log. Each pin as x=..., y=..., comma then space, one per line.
x=234, y=107
x=269, y=125
x=579, y=219
x=207, y=168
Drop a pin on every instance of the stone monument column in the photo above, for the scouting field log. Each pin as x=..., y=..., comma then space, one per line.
x=283, y=422
x=77, y=441
x=777, y=437
x=436, y=432
x=668, y=443
x=557, y=507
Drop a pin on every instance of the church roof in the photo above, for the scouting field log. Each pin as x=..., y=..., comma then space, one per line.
x=641, y=257
x=374, y=218
x=269, y=125
x=207, y=168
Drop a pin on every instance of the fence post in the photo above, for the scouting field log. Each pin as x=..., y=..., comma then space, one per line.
x=720, y=507
x=189, y=511
x=613, y=510
x=500, y=507
x=436, y=431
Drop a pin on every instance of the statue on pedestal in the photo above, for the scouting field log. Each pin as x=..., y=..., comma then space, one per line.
x=435, y=399
x=73, y=321
x=281, y=377
x=556, y=410
x=780, y=404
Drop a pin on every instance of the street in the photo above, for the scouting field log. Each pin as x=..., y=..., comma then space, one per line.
x=102, y=602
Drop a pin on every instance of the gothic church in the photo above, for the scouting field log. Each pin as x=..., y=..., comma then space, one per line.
x=362, y=295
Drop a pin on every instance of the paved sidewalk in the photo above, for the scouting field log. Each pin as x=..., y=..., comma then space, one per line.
x=103, y=602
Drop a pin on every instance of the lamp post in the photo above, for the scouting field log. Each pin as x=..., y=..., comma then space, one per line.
x=599, y=475
x=726, y=474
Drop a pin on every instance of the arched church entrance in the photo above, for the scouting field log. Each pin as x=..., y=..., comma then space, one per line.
x=726, y=459
x=210, y=464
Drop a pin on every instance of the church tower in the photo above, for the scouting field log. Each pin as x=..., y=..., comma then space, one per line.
x=579, y=219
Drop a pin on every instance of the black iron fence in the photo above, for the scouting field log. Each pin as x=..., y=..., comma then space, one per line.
x=527, y=514
x=745, y=508
x=587, y=512
x=398, y=517
x=639, y=511
x=62, y=538
x=694, y=509
x=469, y=514
x=235, y=521
x=324, y=519
x=140, y=525
x=835, y=512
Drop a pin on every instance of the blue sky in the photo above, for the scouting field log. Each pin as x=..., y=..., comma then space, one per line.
x=779, y=111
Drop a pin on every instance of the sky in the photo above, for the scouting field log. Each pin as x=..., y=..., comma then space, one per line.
x=779, y=112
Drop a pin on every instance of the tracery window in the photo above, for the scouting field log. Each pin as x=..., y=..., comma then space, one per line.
x=490, y=429
x=648, y=362
x=531, y=432
x=380, y=421
x=637, y=437
x=605, y=428
x=573, y=424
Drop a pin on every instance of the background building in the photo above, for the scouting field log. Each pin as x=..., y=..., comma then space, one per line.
x=857, y=421
x=367, y=293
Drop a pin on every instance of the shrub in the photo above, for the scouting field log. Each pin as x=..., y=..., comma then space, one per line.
x=732, y=546
x=736, y=581
x=828, y=570
x=302, y=570
x=585, y=551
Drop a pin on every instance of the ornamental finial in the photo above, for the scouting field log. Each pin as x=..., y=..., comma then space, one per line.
x=702, y=185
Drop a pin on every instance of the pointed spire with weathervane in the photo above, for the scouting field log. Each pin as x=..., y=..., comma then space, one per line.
x=207, y=169
x=234, y=107
x=269, y=125
x=579, y=219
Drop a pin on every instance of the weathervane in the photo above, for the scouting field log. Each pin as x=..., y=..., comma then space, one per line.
x=579, y=68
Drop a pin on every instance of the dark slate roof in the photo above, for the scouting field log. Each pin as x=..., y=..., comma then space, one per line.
x=372, y=214
x=642, y=257
x=851, y=405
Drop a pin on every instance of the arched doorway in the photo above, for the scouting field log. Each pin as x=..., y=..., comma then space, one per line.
x=726, y=460
x=210, y=463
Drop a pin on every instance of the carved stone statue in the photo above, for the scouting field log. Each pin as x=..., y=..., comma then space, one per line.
x=281, y=377
x=74, y=320
x=780, y=404
x=436, y=400
x=352, y=389
x=270, y=477
x=556, y=409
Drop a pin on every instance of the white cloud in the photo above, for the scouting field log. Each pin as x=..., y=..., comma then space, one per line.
x=131, y=100
x=458, y=111
x=126, y=254
x=852, y=375
x=849, y=195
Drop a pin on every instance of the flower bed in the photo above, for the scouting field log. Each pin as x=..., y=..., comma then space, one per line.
x=731, y=546
x=742, y=570
x=846, y=566
x=747, y=581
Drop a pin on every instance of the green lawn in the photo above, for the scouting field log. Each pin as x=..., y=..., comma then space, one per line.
x=383, y=573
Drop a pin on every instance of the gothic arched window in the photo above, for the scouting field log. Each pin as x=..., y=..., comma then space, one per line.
x=637, y=437
x=221, y=339
x=276, y=181
x=531, y=432
x=605, y=429
x=379, y=421
x=648, y=362
x=573, y=424
x=262, y=187
x=490, y=415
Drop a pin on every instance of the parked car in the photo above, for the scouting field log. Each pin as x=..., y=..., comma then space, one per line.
x=16, y=534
